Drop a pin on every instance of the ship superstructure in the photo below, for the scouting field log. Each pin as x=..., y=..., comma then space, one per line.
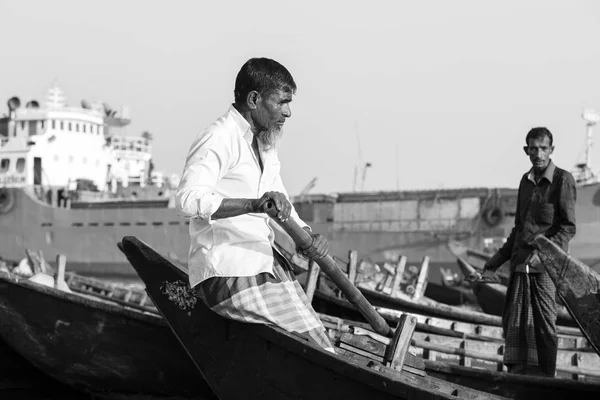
x=57, y=146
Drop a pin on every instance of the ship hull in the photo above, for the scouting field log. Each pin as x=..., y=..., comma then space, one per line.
x=88, y=237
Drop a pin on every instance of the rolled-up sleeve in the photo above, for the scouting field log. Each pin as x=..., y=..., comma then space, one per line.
x=207, y=161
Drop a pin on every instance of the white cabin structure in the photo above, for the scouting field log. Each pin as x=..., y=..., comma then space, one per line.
x=57, y=146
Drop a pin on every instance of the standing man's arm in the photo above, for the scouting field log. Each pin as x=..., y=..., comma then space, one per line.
x=505, y=252
x=565, y=223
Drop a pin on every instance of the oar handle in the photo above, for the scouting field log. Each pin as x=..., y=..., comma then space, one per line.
x=303, y=240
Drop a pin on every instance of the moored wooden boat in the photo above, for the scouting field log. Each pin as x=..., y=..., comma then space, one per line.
x=483, y=376
x=93, y=345
x=258, y=361
x=234, y=348
x=575, y=357
x=578, y=286
x=491, y=295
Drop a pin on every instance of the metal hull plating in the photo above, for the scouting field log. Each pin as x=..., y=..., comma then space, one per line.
x=88, y=237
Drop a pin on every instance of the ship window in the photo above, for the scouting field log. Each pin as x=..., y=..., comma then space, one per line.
x=62, y=125
x=42, y=124
x=22, y=125
x=83, y=127
x=53, y=124
x=4, y=164
x=32, y=128
x=69, y=128
x=20, y=165
x=92, y=128
x=76, y=127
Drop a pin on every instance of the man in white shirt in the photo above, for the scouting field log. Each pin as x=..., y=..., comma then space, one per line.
x=231, y=173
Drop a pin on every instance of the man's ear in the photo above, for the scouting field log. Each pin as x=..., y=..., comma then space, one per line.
x=252, y=99
x=526, y=149
x=551, y=149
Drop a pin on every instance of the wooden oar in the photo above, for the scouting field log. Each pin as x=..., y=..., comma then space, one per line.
x=303, y=240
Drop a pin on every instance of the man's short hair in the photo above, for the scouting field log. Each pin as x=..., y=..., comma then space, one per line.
x=539, y=133
x=263, y=75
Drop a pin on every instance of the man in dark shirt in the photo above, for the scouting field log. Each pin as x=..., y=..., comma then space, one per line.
x=546, y=204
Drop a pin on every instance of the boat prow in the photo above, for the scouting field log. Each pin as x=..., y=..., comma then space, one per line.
x=577, y=285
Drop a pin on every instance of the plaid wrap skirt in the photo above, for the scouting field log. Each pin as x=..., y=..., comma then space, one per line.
x=266, y=299
x=529, y=322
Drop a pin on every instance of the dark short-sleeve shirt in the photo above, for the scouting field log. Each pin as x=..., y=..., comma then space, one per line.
x=547, y=207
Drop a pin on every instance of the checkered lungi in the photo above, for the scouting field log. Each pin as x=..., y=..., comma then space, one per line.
x=529, y=322
x=266, y=299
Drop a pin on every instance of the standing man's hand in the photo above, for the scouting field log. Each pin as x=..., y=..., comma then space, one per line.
x=486, y=275
x=533, y=259
x=279, y=201
x=319, y=247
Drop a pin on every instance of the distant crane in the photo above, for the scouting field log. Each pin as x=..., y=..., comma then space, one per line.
x=309, y=186
x=363, y=172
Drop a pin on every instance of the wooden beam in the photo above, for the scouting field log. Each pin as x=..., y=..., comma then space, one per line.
x=34, y=261
x=396, y=350
x=352, y=266
x=398, y=273
x=312, y=279
x=43, y=264
x=422, y=279
x=59, y=279
x=464, y=360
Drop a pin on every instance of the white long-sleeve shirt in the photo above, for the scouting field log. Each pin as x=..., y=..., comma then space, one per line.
x=221, y=164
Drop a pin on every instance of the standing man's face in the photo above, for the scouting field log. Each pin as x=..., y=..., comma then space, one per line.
x=539, y=151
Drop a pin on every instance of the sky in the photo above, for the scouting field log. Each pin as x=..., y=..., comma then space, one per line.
x=434, y=94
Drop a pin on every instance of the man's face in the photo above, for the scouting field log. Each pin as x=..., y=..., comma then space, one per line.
x=539, y=151
x=270, y=115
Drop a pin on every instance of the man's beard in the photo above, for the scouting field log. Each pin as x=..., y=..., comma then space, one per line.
x=270, y=137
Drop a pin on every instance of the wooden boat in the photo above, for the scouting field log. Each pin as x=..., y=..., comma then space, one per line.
x=491, y=295
x=447, y=295
x=485, y=340
x=286, y=366
x=259, y=361
x=21, y=380
x=578, y=286
x=367, y=344
x=94, y=345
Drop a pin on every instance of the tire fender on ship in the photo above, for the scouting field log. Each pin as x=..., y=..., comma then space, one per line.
x=493, y=216
x=7, y=200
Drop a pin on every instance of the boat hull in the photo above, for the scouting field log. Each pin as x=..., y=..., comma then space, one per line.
x=257, y=361
x=93, y=346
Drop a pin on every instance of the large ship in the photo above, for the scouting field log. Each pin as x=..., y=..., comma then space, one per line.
x=383, y=225
x=72, y=183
